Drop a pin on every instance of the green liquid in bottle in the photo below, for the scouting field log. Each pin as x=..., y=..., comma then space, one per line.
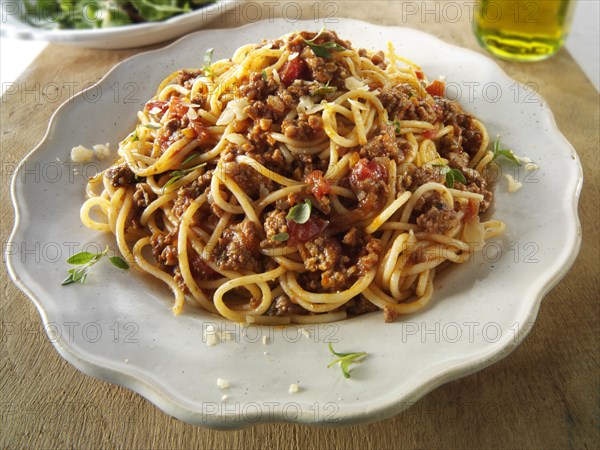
x=521, y=30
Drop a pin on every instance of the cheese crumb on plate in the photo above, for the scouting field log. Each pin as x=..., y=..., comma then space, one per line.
x=513, y=185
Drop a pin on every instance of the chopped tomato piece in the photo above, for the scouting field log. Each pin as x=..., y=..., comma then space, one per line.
x=430, y=134
x=161, y=104
x=177, y=109
x=436, y=88
x=295, y=69
x=304, y=232
x=364, y=169
x=201, y=133
x=318, y=185
x=420, y=74
x=471, y=209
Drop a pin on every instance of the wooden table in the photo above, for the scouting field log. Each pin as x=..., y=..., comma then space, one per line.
x=544, y=395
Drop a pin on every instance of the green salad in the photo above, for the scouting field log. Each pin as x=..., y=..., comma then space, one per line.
x=83, y=14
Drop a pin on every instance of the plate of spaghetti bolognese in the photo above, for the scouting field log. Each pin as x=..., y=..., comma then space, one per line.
x=364, y=189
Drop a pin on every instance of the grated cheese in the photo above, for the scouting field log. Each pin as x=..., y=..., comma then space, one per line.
x=102, y=151
x=81, y=154
x=513, y=185
x=233, y=110
x=353, y=83
x=210, y=336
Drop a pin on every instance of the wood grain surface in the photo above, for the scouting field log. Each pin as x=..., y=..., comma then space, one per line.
x=543, y=395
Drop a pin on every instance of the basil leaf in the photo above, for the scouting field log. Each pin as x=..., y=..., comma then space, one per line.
x=208, y=56
x=190, y=158
x=81, y=258
x=345, y=364
x=335, y=353
x=208, y=62
x=452, y=175
x=281, y=237
x=324, y=50
x=506, y=153
x=85, y=260
x=68, y=280
x=80, y=273
x=119, y=262
x=345, y=359
x=324, y=90
x=300, y=213
x=458, y=176
x=449, y=179
x=172, y=180
x=177, y=174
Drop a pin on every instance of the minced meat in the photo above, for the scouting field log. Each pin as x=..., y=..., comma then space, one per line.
x=238, y=248
x=120, y=175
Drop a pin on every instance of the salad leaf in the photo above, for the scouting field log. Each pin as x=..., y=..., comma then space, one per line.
x=88, y=14
x=156, y=10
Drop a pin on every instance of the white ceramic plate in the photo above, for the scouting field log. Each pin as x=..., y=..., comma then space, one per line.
x=119, y=326
x=128, y=36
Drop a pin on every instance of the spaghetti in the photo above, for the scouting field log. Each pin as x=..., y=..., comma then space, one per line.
x=299, y=181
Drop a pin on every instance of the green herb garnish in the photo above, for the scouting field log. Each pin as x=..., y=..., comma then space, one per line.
x=300, y=213
x=134, y=136
x=396, y=124
x=264, y=75
x=452, y=175
x=85, y=260
x=345, y=359
x=324, y=90
x=281, y=237
x=506, y=153
x=177, y=174
x=119, y=262
x=190, y=158
x=152, y=125
x=208, y=62
x=324, y=50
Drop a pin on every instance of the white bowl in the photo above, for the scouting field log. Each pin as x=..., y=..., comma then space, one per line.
x=126, y=36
